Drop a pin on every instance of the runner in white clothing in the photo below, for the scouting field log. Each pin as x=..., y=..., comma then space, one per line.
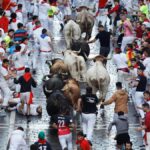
x=2, y=51
x=25, y=51
x=35, y=109
x=19, y=13
x=45, y=49
x=17, y=140
x=43, y=13
x=120, y=61
x=37, y=30
x=19, y=64
x=13, y=22
x=6, y=81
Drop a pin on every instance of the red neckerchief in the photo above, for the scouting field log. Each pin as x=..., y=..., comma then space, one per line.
x=5, y=67
x=145, y=20
x=16, y=50
x=18, y=96
x=18, y=11
x=136, y=65
x=33, y=22
x=130, y=53
x=36, y=27
x=148, y=99
x=43, y=2
x=42, y=141
x=14, y=20
x=27, y=76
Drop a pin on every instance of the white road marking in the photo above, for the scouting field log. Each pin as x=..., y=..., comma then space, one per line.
x=11, y=124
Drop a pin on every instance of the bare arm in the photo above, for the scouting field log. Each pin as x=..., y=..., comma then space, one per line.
x=54, y=125
x=79, y=105
x=111, y=100
x=91, y=41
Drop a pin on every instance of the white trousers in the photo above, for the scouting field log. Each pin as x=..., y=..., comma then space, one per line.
x=6, y=92
x=138, y=102
x=45, y=56
x=148, y=141
x=25, y=97
x=45, y=23
x=35, y=55
x=88, y=122
x=66, y=141
x=122, y=76
x=126, y=40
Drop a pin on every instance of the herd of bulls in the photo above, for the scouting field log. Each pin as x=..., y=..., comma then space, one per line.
x=62, y=88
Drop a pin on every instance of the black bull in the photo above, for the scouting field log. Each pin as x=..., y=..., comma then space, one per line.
x=81, y=46
x=56, y=101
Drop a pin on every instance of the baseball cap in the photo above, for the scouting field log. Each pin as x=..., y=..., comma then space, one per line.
x=41, y=135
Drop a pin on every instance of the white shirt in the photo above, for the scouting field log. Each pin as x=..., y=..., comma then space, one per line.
x=146, y=61
x=13, y=25
x=23, y=47
x=3, y=71
x=44, y=43
x=120, y=60
x=147, y=71
x=17, y=140
x=20, y=16
x=2, y=35
x=30, y=27
x=43, y=10
x=36, y=33
x=18, y=60
x=2, y=51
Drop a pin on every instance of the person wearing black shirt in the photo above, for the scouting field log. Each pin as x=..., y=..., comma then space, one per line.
x=104, y=39
x=140, y=85
x=87, y=105
x=26, y=82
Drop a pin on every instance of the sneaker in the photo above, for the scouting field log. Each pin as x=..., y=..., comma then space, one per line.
x=2, y=113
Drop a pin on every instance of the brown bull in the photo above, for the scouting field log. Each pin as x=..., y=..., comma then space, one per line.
x=58, y=66
x=72, y=91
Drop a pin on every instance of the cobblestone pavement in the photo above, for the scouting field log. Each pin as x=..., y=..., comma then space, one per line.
x=101, y=140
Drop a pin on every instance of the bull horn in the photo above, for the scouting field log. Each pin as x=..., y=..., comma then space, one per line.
x=88, y=57
x=77, y=52
x=48, y=91
x=64, y=73
x=106, y=58
x=109, y=58
x=78, y=21
x=61, y=52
